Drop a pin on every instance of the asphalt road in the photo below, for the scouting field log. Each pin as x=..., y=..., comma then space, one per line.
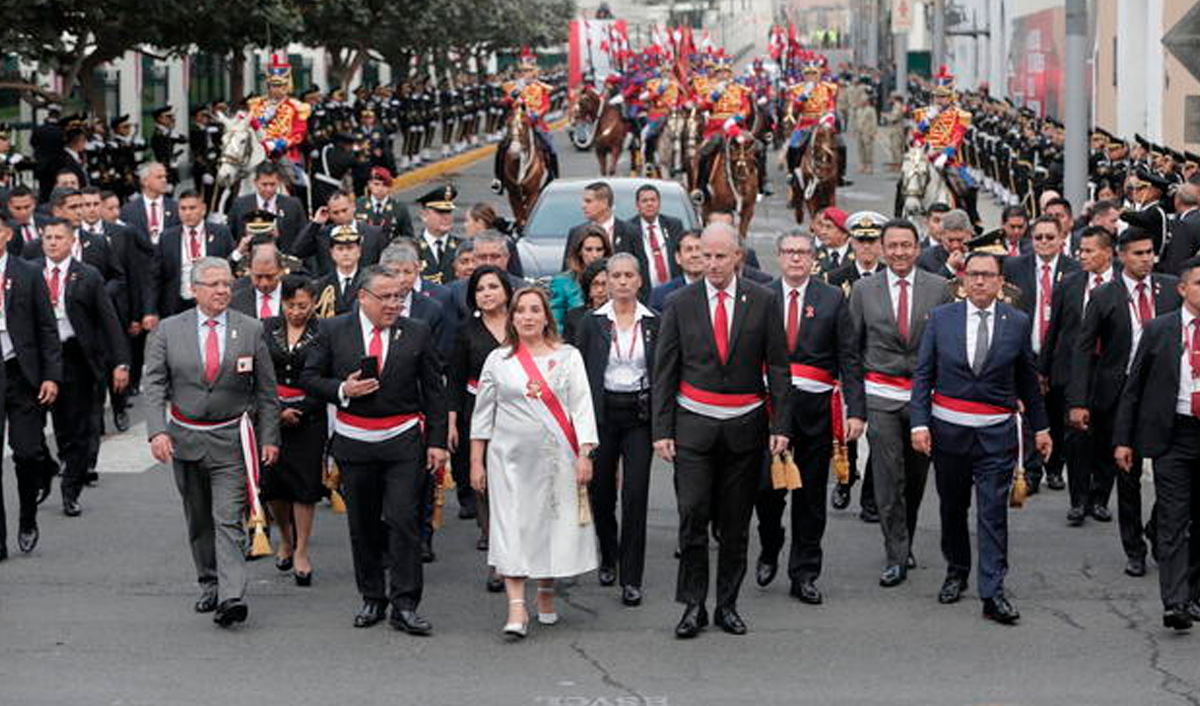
x=101, y=612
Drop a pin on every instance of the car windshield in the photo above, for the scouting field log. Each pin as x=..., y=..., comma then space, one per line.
x=558, y=210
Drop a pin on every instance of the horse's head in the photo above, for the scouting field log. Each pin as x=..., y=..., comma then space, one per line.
x=237, y=146
x=914, y=179
x=587, y=105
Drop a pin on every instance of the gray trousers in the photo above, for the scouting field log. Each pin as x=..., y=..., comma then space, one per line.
x=900, y=475
x=214, y=504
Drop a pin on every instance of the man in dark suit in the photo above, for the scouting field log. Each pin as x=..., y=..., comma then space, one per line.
x=717, y=338
x=290, y=217
x=33, y=370
x=1037, y=274
x=436, y=245
x=379, y=208
x=975, y=367
x=346, y=252
x=389, y=433
x=66, y=204
x=1158, y=417
x=47, y=141
x=946, y=258
x=1112, y=326
x=1014, y=221
x=151, y=211
x=73, y=157
x=260, y=292
x=597, y=209
x=1182, y=227
x=315, y=239
x=816, y=320
x=170, y=291
x=93, y=347
x=1086, y=485
x=656, y=241
x=21, y=208
x=689, y=258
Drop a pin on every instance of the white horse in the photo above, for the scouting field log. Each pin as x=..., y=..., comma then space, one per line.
x=241, y=153
x=921, y=184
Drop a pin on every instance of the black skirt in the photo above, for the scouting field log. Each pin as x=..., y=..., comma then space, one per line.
x=296, y=477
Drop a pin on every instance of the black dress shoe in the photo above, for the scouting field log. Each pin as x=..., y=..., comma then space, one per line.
x=893, y=575
x=1177, y=618
x=1000, y=610
x=1033, y=485
x=1135, y=567
x=427, y=555
x=121, y=421
x=807, y=592
x=72, y=508
x=303, y=578
x=952, y=590
x=764, y=573
x=467, y=513
x=27, y=539
x=728, y=620
x=1054, y=481
x=1193, y=609
x=371, y=613
x=482, y=544
x=231, y=611
x=91, y=478
x=911, y=562
x=839, y=499
x=207, y=602
x=1076, y=516
x=694, y=619
x=408, y=621
x=3, y=552
x=1101, y=513
x=631, y=596
x=283, y=563
x=495, y=584
x=869, y=514
x=607, y=576
x=45, y=488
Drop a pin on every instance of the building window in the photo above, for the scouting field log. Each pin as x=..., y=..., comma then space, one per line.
x=208, y=79
x=155, y=83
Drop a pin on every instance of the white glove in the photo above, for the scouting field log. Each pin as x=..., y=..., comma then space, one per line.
x=208, y=180
x=940, y=161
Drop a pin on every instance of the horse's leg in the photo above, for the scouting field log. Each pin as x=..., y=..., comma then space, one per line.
x=747, y=215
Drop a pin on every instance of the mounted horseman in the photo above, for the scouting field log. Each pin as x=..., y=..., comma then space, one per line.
x=940, y=129
x=812, y=106
x=532, y=95
x=282, y=122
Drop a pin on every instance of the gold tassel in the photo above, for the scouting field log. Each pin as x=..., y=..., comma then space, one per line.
x=841, y=462
x=779, y=479
x=260, y=545
x=1020, y=489
x=439, y=498
x=793, y=471
x=585, y=507
x=332, y=482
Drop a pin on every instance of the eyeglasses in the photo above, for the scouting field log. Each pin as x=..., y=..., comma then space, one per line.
x=969, y=274
x=389, y=298
x=1045, y=237
x=219, y=284
x=792, y=252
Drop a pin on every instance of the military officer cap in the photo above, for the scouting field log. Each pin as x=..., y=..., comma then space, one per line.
x=1152, y=178
x=345, y=235
x=381, y=174
x=160, y=112
x=312, y=91
x=440, y=199
x=260, y=221
x=866, y=225
x=344, y=138
x=118, y=121
x=1145, y=221
x=989, y=242
x=1191, y=158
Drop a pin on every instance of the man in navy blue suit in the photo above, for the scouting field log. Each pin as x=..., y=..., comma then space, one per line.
x=689, y=253
x=974, y=369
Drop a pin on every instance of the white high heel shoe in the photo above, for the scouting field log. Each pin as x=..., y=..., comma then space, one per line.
x=517, y=630
x=546, y=618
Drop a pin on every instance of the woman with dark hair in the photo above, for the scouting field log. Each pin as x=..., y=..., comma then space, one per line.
x=488, y=294
x=292, y=487
x=532, y=436
x=565, y=290
x=594, y=284
x=483, y=217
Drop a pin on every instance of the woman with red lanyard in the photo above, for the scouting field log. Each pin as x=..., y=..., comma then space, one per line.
x=532, y=437
x=488, y=294
x=292, y=487
x=617, y=341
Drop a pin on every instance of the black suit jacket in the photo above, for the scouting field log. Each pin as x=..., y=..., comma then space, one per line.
x=1024, y=271
x=30, y=320
x=687, y=352
x=623, y=233
x=593, y=338
x=162, y=295
x=430, y=311
x=342, y=301
x=658, y=297
x=1102, y=349
x=63, y=161
x=845, y=276
x=94, y=318
x=1066, y=316
x=1184, y=242
x=1146, y=412
x=290, y=220
x=133, y=213
x=933, y=259
x=18, y=241
x=122, y=241
x=315, y=240
x=98, y=254
x=635, y=244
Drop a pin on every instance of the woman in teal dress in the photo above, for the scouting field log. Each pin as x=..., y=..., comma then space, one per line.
x=565, y=292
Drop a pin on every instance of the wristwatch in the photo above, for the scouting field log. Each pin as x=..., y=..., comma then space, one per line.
x=594, y=453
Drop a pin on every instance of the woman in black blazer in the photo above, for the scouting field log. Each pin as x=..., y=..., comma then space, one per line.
x=594, y=283
x=617, y=341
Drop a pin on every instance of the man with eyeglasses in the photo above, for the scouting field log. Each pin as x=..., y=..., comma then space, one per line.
x=975, y=368
x=209, y=387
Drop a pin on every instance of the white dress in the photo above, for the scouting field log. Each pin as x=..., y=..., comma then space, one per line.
x=532, y=494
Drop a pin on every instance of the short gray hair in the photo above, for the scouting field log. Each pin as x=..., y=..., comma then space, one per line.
x=957, y=220
x=795, y=233
x=208, y=264
x=621, y=257
x=374, y=272
x=491, y=237
x=144, y=170
x=399, y=251
x=722, y=229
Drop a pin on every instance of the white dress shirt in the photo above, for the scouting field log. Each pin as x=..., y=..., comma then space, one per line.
x=367, y=331
x=65, y=330
x=973, y=328
x=6, y=346
x=162, y=217
x=1183, y=398
x=274, y=300
x=185, y=258
x=1105, y=278
x=893, y=281
x=1135, y=322
x=268, y=204
x=787, y=298
x=661, y=236
x=627, y=365
x=344, y=280
x=222, y=320
x=1036, y=330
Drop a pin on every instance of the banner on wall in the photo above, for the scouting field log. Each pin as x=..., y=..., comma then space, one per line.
x=1035, y=62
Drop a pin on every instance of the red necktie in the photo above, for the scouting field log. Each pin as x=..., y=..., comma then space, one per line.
x=1013, y=250
x=154, y=226
x=660, y=262
x=721, y=328
x=902, y=311
x=1044, y=305
x=793, y=319
x=264, y=311
x=1099, y=281
x=212, y=352
x=1194, y=359
x=1145, y=313
x=375, y=349
x=29, y=234
x=55, y=283
x=194, y=242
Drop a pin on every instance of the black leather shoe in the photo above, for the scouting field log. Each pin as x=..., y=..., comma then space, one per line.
x=893, y=575
x=911, y=562
x=207, y=602
x=694, y=619
x=1135, y=567
x=495, y=584
x=952, y=590
x=631, y=596
x=303, y=578
x=121, y=421
x=1033, y=485
x=870, y=515
x=764, y=573
x=807, y=592
x=1101, y=513
x=231, y=611
x=1177, y=618
x=467, y=513
x=1054, y=481
x=370, y=614
x=45, y=488
x=27, y=539
x=482, y=544
x=283, y=563
x=1076, y=516
x=1000, y=610
x=607, y=576
x=72, y=508
x=91, y=478
x=839, y=499
x=1193, y=609
x=3, y=552
x=728, y=620
x=408, y=621
x=427, y=555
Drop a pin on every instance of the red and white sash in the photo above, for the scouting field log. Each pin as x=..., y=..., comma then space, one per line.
x=288, y=394
x=966, y=413
x=547, y=404
x=248, y=441
x=373, y=429
x=717, y=405
x=807, y=378
x=178, y=418
x=472, y=387
x=891, y=387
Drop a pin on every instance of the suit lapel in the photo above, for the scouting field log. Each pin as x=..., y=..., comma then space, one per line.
x=740, y=305
x=998, y=330
x=397, y=339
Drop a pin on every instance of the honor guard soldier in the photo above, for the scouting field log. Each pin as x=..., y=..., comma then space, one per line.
x=940, y=129
x=164, y=143
x=260, y=226
x=810, y=104
x=281, y=119
x=204, y=140
x=11, y=162
x=125, y=153
x=437, y=244
x=533, y=96
x=379, y=208
x=729, y=108
x=338, y=290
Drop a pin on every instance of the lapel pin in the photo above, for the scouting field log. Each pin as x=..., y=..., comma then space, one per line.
x=233, y=334
x=396, y=334
x=743, y=298
x=809, y=312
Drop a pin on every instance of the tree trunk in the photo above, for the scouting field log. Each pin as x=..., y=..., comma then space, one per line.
x=93, y=93
x=237, y=77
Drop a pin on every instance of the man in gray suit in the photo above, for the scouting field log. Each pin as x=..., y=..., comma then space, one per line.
x=888, y=314
x=205, y=369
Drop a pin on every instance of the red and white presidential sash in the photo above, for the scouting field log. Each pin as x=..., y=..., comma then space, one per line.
x=808, y=378
x=966, y=413
x=717, y=405
x=472, y=387
x=288, y=394
x=547, y=404
x=373, y=429
x=248, y=441
x=891, y=387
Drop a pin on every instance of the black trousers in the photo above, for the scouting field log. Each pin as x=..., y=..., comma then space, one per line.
x=716, y=481
x=382, y=508
x=812, y=454
x=1177, y=510
x=25, y=419
x=73, y=418
x=624, y=443
x=1129, y=485
x=1056, y=409
x=137, y=356
x=460, y=461
x=866, y=497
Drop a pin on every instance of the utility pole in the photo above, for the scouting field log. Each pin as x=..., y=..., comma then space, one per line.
x=938, y=7
x=1075, y=118
x=902, y=63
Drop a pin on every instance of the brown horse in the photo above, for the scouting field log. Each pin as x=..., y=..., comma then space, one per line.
x=525, y=169
x=819, y=174
x=733, y=180
x=610, y=138
x=584, y=112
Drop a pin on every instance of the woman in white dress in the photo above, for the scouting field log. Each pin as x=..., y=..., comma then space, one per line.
x=532, y=437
